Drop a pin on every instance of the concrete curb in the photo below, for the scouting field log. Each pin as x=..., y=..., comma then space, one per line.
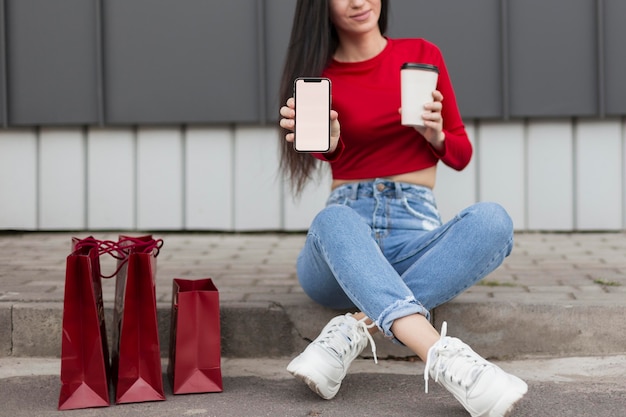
x=263, y=330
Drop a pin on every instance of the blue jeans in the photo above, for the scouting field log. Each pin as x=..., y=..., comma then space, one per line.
x=381, y=247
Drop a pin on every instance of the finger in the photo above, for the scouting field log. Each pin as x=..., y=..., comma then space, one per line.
x=287, y=112
x=289, y=137
x=430, y=124
x=432, y=117
x=437, y=95
x=287, y=124
x=291, y=103
x=435, y=106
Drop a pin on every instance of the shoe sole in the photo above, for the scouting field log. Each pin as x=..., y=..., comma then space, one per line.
x=311, y=378
x=507, y=402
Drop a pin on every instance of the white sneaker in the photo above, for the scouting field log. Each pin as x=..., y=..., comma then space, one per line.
x=325, y=361
x=484, y=389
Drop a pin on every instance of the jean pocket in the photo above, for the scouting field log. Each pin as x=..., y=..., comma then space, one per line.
x=424, y=210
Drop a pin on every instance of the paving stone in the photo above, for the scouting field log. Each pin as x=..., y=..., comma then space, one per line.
x=6, y=327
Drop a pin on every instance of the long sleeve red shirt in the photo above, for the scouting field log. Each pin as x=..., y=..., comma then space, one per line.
x=373, y=142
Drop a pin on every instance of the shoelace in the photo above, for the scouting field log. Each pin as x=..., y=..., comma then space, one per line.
x=349, y=338
x=365, y=328
x=449, y=352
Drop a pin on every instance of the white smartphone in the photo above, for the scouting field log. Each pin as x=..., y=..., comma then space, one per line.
x=312, y=122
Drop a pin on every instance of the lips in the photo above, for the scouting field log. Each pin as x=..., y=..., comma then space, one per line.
x=361, y=16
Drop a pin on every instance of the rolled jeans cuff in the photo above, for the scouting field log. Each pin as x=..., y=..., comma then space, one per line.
x=399, y=309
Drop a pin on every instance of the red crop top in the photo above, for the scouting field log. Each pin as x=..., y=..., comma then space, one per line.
x=373, y=142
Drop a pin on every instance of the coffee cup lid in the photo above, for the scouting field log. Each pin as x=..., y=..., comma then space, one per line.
x=414, y=65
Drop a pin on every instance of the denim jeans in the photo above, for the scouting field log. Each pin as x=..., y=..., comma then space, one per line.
x=381, y=247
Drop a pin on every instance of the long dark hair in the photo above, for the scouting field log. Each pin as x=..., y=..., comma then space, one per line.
x=313, y=42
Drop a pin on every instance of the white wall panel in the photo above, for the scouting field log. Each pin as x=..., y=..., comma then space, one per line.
x=212, y=178
x=209, y=190
x=502, y=172
x=258, y=187
x=299, y=212
x=550, y=175
x=111, y=178
x=62, y=179
x=18, y=179
x=599, y=186
x=159, y=179
x=456, y=190
x=623, y=139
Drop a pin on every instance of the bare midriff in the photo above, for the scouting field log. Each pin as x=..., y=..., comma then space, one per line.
x=424, y=177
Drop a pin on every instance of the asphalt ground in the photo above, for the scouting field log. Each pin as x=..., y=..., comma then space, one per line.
x=570, y=387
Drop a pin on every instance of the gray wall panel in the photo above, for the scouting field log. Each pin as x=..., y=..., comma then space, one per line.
x=173, y=61
x=120, y=62
x=278, y=22
x=615, y=57
x=51, y=62
x=3, y=81
x=468, y=33
x=553, y=58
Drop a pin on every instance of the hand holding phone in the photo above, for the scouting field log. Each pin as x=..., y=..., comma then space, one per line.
x=312, y=121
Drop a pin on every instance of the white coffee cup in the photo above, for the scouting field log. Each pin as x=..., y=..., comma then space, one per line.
x=418, y=81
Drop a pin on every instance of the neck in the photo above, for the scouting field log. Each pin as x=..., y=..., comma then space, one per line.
x=360, y=48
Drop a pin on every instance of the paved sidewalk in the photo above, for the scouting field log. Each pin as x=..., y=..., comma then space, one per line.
x=556, y=295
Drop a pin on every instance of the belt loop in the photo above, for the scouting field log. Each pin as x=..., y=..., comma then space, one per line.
x=399, y=192
x=354, y=191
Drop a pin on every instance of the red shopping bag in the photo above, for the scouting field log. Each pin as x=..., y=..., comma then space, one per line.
x=136, y=358
x=84, y=349
x=195, y=346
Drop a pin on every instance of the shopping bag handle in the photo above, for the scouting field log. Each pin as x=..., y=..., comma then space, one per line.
x=121, y=249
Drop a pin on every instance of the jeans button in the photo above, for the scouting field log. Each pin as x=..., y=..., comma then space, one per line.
x=380, y=187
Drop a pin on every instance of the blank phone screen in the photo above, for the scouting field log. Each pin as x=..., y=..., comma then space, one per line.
x=312, y=128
